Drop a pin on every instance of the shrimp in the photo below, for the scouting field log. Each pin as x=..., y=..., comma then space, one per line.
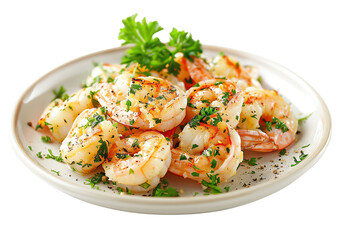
x=135, y=71
x=205, y=151
x=103, y=73
x=143, y=102
x=265, y=109
x=139, y=161
x=224, y=95
x=192, y=72
x=89, y=140
x=59, y=115
x=228, y=67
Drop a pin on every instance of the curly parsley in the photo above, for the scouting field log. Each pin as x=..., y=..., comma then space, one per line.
x=149, y=52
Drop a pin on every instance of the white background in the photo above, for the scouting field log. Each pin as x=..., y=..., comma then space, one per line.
x=304, y=36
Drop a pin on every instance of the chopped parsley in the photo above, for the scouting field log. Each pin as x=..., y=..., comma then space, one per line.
x=145, y=185
x=60, y=94
x=302, y=156
x=211, y=185
x=213, y=163
x=157, y=120
x=204, y=116
x=282, y=152
x=93, y=100
x=46, y=139
x=122, y=155
x=225, y=98
x=39, y=155
x=57, y=172
x=251, y=162
x=102, y=153
x=135, y=143
x=38, y=126
x=194, y=146
x=208, y=152
x=128, y=104
x=95, y=180
x=278, y=124
x=162, y=190
x=94, y=120
x=301, y=120
x=189, y=104
x=134, y=88
x=50, y=155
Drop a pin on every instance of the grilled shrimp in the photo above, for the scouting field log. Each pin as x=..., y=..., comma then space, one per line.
x=88, y=141
x=143, y=102
x=192, y=72
x=221, y=94
x=59, y=115
x=207, y=150
x=139, y=161
x=265, y=109
x=103, y=73
x=227, y=67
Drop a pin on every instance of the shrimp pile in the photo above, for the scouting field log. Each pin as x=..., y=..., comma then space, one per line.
x=137, y=125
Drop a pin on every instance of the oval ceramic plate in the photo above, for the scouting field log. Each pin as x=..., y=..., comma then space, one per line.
x=271, y=173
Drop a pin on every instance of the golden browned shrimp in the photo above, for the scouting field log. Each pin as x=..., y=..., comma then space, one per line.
x=89, y=140
x=143, y=102
x=224, y=95
x=265, y=109
x=59, y=115
x=207, y=150
x=224, y=66
x=139, y=161
x=192, y=72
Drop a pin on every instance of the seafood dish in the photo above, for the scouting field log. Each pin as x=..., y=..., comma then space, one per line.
x=166, y=108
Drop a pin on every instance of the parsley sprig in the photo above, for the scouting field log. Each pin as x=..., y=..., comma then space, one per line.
x=149, y=52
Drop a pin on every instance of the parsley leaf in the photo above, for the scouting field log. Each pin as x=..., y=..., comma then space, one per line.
x=60, y=94
x=149, y=52
x=102, y=153
x=211, y=186
x=301, y=120
x=183, y=42
x=162, y=190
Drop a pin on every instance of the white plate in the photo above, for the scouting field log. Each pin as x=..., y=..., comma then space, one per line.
x=250, y=183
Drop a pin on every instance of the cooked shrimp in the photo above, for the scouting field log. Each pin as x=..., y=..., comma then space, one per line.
x=192, y=72
x=228, y=67
x=135, y=71
x=221, y=94
x=143, y=102
x=103, y=73
x=139, y=161
x=89, y=140
x=207, y=150
x=265, y=109
x=59, y=115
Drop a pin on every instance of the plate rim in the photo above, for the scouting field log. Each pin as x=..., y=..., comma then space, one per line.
x=246, y=194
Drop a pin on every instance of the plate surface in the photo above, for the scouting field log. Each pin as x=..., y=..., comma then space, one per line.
x=271, y=173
